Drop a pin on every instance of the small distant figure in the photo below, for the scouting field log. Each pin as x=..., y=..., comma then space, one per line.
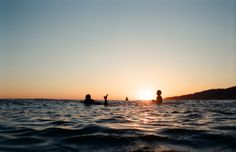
x=126, y=99
x=88, y=100
x=159, y=98
x=105, y=100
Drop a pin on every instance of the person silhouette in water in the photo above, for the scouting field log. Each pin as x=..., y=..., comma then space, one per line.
x=159, y=98
x=88, y=100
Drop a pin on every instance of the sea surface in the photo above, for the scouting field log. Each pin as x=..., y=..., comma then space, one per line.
x=134, y=126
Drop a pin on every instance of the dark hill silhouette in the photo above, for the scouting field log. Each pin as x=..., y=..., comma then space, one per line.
x=213, y=94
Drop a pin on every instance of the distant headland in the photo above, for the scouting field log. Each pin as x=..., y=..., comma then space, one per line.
x=212, y=94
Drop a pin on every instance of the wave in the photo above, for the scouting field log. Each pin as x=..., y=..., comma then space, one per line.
x=133, y=126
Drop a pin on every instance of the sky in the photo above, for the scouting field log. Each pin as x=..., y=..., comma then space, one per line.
x=68, y=48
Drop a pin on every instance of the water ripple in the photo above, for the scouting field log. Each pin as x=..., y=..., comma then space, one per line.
x=63, y=125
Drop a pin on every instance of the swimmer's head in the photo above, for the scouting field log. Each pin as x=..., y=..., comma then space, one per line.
x=88, y=97
x=158, y=92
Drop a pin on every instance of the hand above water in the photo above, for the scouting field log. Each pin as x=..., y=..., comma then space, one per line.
x=105, y=97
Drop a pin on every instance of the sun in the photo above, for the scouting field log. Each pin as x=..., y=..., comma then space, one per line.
x=146, y=95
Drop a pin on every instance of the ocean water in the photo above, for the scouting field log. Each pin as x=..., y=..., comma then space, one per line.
x=134, y=126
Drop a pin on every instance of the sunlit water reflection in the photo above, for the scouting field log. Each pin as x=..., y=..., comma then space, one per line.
x=51, y=125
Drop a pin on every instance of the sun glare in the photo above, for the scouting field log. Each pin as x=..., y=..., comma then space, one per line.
x=146, y=95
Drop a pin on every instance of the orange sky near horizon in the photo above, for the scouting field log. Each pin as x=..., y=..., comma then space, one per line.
x=134, y=92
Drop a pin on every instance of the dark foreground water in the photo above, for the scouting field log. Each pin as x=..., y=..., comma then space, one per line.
x=55, y=126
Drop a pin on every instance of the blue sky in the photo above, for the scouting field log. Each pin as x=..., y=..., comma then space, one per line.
x=67, y=48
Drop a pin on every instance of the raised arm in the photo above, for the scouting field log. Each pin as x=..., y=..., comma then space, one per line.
x=105, y=100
